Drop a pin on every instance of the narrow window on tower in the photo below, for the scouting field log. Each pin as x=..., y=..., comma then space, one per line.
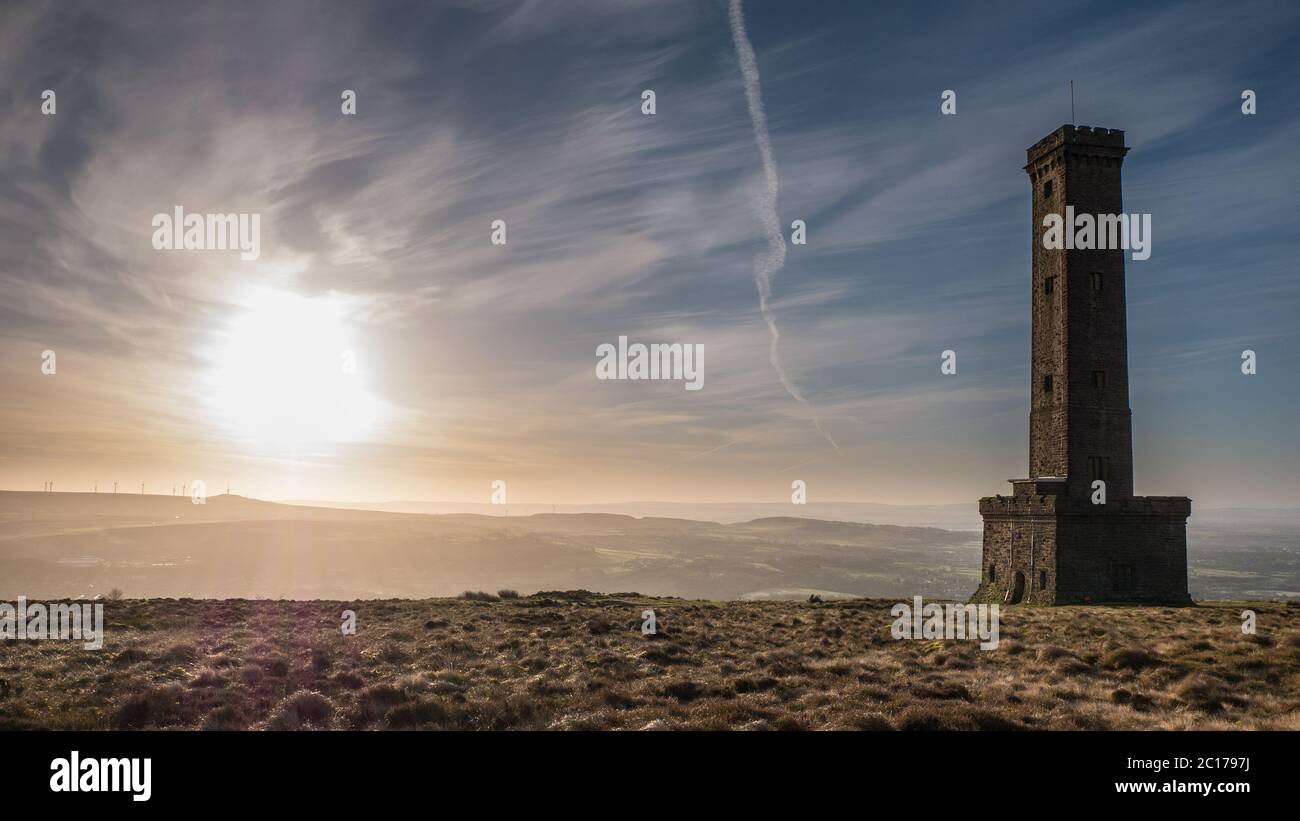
x=1047, y=189
x=1049, y=286
x=1125, y=577
x=1094, y=279
x=1099, y=380
x=1042, y=580
x=993, y=572
x=1047, y=383
x=1098, y=469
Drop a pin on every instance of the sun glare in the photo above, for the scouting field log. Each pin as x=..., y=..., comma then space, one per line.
x=285, y=372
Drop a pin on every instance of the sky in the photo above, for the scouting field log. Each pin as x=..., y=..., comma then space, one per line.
x=472, y=362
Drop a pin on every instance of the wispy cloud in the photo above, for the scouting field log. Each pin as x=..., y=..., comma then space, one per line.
x=621, y=223
x=767, y=264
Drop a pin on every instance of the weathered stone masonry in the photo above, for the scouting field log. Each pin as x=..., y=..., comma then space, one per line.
x=1047, y=543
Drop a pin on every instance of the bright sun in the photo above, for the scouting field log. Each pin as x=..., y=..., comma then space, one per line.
x=285, y=373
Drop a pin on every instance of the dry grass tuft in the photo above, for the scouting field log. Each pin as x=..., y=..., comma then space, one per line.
x=577, y=660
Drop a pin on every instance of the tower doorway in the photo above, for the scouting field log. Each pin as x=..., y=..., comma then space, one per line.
x=1017, y=589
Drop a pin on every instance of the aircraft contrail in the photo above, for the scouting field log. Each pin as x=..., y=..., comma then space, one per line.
x=767, y=264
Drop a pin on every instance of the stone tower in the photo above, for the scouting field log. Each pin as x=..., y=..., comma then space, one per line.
x=1048, y=542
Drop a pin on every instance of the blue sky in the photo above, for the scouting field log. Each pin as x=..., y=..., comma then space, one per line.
x=483, y=356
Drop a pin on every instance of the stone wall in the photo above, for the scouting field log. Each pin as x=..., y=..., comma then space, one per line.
x=1068, y=552
x=1020, y=536
x=1094, y=549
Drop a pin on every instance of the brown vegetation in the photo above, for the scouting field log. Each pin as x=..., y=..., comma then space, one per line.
x=580, y=661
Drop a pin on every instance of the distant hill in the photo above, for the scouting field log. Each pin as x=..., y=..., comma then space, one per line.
x=82, y=544
x=963, y=516
x=70, y=544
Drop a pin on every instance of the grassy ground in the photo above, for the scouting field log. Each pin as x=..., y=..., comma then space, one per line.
x=581, y=662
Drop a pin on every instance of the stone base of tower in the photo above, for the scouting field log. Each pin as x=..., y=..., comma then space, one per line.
x=1055, y=550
